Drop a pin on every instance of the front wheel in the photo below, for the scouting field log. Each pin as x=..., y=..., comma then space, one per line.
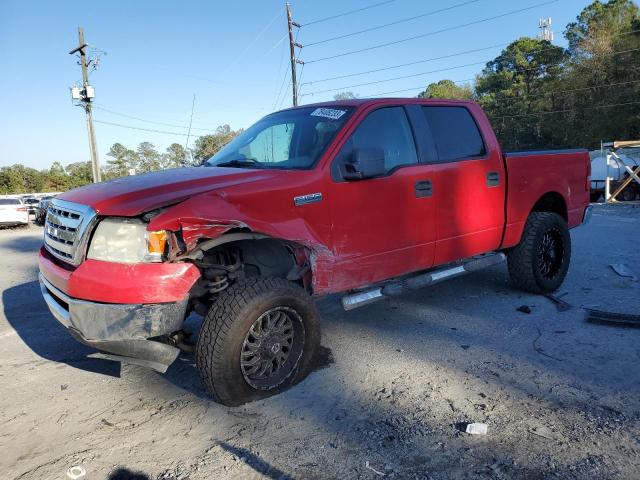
x=539, y=263
x=258, y=338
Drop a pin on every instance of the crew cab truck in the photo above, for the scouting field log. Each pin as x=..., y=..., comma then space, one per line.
x=365, y=197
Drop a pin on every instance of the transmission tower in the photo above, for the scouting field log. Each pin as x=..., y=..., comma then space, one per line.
x=544, y=24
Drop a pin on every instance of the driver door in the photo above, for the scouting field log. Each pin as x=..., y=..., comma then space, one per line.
x=381, y=227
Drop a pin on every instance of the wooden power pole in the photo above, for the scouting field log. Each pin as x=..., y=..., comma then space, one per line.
x=86, y=97
x=292, y=50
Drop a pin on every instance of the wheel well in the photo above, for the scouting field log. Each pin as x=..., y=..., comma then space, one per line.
x=266, y=257
x=552, y=202
x=243, y=256
x=259, y=256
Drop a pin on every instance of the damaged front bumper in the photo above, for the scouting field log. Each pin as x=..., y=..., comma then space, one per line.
x=123, y=331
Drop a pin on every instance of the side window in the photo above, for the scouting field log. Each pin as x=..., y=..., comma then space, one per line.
x=270, y=145
x=455, y=133
x=387, y=130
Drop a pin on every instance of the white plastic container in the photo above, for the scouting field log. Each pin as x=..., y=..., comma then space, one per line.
x=477, y=428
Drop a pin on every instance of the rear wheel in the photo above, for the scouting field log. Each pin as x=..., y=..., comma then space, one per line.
x=258, y=338
x=539, y=263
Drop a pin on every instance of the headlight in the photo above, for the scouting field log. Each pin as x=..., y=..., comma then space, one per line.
x=126, y=241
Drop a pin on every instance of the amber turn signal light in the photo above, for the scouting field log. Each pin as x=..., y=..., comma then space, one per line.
x=156, y=242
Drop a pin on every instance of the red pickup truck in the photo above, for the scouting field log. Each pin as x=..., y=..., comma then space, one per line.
x=365, y=197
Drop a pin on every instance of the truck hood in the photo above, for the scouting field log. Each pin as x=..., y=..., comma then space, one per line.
x=137, y=194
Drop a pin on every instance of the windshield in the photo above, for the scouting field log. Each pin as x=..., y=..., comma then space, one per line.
x=291, y=139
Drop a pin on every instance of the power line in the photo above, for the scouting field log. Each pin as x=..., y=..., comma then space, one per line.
x=391, y=67
x=553, y=112
x=396, y=78
x=447, y=69
x=284, y=81
x=251, y=43
x=448, y=29
x=397, y=22
x=347, y=13
x=571, y=90
x=518, y=97
x=278, y=75
x=133, y=117
x=301, y=72
x=415, y=88
x=426, y=60
x=140, y=128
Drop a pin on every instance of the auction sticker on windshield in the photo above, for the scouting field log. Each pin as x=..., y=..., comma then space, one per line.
x=331, y=113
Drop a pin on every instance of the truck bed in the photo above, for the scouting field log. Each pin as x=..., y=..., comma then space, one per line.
x=530, y=174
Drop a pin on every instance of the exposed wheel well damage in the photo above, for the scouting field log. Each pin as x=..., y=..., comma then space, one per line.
x=239, y=255
x=552, y=202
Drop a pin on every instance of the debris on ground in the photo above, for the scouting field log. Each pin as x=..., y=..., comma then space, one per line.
x=619, y=319
x=544, y=432
x=540, y=350
x=76, y=472
x=477, y=428
x=524, y=309
x=561, y=305
x=377, y=472
x=623, y=270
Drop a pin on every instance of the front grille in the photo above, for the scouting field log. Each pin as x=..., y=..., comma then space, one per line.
x=66, y=230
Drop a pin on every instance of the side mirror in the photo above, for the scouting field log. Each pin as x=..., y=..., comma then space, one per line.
x=364, y=163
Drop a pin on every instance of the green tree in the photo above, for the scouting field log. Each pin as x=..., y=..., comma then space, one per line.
x=209, y=145
x=447, y=89
x=11, y=181
x=513, y=88
x=599, y=27
x=604, y=43
x=123, y=159
x=175, y=156
x=56, y=178
x=148, y=157
x=345, y=96
x=80, y=173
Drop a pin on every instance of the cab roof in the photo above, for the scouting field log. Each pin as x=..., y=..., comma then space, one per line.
x=359, y=102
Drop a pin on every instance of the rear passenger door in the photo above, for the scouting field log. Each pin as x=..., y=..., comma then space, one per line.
x=381, y=227
x=469, y=185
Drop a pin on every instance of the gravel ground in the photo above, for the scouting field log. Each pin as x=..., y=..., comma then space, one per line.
x=395, y=384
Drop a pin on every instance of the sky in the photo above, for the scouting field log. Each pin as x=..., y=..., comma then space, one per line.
x=233, y=56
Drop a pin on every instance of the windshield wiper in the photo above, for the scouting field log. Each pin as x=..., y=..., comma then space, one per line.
x=239, y=162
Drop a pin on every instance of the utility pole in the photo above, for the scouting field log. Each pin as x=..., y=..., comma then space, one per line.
x=292, y=49
x=86, y=96
x=187, y=156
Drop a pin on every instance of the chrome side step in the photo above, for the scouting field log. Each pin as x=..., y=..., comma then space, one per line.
x=394, y=288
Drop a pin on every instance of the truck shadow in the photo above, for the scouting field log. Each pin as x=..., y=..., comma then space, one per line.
x=255, y=462
x=27, y=313
x=23, y=244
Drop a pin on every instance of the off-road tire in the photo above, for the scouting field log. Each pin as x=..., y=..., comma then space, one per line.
x=227, y=324
x=525, y=265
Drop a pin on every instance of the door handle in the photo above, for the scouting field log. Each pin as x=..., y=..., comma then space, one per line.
x=493, y=179
x=423, y=188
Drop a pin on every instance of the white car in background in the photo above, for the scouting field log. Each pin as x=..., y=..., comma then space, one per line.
x=13, y=212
